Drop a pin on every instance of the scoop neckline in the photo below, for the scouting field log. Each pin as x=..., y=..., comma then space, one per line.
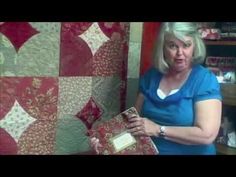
x=180, y=89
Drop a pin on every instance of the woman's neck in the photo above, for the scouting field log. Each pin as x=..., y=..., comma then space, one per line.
x=173, y=80
x=178, y=75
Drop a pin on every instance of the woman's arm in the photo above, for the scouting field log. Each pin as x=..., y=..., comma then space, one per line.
x=206, y=126
x=204, y=131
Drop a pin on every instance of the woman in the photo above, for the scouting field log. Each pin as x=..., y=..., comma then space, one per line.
x=179, y=100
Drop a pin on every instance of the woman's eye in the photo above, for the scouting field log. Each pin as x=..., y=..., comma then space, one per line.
x=172, y=46
x=187, y=45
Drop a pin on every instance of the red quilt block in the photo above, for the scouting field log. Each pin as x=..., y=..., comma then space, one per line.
x=90, y=113
x=17, y=32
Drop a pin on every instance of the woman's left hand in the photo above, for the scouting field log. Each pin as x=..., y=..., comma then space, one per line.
x=142, y=126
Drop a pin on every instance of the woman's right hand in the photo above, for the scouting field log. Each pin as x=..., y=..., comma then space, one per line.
x=95, y=144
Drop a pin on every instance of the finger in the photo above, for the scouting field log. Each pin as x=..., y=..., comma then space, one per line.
x=135, y=124
x=134, y=119
x=97, y=142
x=93, y=139
x=135, y=129
x=133, y=115
x=130, y=116
x=138, y=133
x=97, y=150
x=96, y=146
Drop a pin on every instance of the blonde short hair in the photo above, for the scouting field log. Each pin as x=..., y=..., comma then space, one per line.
x=178, y=30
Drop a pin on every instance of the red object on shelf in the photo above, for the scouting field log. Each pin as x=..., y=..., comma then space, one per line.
x=210, y=33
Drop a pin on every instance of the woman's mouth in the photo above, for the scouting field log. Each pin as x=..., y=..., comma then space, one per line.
x=179, y=60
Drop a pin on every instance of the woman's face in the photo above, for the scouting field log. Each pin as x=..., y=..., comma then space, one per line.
x=178, y=54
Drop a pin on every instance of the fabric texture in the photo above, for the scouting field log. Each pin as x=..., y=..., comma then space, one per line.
x=57, y=80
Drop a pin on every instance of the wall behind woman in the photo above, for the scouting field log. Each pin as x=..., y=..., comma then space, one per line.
x=56, y=81
x=141, y=45
x=150, y=33
x=135, y=43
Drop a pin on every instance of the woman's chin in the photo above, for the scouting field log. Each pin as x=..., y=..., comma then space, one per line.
x=180, y=68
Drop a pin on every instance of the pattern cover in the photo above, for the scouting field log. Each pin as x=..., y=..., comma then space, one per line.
x=115, y=127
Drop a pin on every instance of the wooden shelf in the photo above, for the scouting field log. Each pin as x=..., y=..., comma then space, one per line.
x=229, y=101
x=221, y=42
x=225, y=150
x=228, y=91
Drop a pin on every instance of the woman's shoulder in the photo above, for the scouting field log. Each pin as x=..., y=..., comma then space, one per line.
x=150, y=77
x=201, y=81
x=206, y=85
x=204, y=77
x=202, y=72
x=201, y=69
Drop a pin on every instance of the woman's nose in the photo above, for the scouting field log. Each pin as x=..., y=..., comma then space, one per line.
x=179, y=51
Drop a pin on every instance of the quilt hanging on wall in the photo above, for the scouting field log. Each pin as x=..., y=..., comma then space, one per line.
x=57, y=80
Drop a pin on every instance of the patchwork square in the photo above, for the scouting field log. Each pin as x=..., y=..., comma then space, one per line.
x=90, y=113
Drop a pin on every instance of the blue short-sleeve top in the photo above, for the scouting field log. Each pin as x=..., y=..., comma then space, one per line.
x=178, y=109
